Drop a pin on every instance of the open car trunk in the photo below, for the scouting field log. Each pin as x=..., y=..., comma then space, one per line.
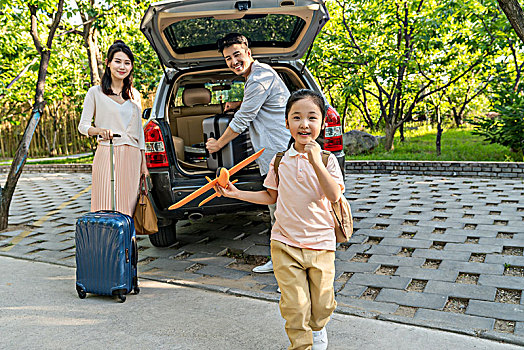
x=184, y=33
x=200, y=94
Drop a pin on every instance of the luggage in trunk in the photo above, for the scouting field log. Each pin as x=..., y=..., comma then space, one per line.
x=235, y=151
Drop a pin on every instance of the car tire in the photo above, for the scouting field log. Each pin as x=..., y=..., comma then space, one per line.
x=165, y=236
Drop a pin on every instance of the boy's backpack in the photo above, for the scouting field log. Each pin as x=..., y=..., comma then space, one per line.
x=341, y=211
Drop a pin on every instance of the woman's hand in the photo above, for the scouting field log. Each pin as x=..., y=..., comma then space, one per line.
x=143, y=164
x=230, y=191
x=105, y=134
x=144, y=171
x=313, y=151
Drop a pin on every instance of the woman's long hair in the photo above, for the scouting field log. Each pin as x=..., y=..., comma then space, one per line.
x=127, y=89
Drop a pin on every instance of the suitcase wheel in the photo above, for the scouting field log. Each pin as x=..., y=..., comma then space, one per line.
x=136, y=289
x=121, y=297
x=81, y=293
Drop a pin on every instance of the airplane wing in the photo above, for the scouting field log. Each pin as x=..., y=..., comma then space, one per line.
x=245, y=162
x=211, y=184
x=193, y=195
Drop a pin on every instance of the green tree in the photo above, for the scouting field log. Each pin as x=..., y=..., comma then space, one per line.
x=104, y=22
x=506, y=127
x=459, y=96
x=18, y=64
x=39, y=14
x=89, y=12
x=387, y=58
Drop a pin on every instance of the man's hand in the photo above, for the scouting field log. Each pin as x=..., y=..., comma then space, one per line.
x=313, y=152
x=212, y=145
x=232, y=105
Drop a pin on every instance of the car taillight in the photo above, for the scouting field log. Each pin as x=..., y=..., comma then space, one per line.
x=156, y=155
x=333, y=131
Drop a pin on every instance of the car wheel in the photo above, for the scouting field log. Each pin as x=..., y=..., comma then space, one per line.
x=165, y=236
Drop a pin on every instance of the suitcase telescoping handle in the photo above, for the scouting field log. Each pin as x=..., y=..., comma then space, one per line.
x=112, y=162
x=112, y=165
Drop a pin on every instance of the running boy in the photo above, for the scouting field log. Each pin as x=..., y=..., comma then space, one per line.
x=302, y=239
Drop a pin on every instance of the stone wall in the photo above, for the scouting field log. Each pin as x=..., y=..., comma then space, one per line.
x=464, y=169
x=51, y=168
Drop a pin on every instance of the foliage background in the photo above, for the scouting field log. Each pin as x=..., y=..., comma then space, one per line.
x=382, y=64
x=68, y=76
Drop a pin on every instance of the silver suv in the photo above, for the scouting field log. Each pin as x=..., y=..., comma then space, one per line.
x=197, y=83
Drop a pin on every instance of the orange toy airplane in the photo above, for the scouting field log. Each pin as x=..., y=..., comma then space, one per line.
x=222, y=180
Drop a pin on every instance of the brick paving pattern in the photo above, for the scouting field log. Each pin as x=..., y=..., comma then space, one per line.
x=427, y=250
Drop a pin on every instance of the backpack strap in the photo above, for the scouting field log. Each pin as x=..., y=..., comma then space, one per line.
x=325, y=157
x=278, y=158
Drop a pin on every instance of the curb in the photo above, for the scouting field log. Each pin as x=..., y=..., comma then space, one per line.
x=482, y=334
x=431, y=168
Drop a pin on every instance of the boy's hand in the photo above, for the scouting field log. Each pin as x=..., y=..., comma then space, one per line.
x=313, y=151
x=230, y=191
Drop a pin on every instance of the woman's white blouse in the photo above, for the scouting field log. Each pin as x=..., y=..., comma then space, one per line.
x=124, y=119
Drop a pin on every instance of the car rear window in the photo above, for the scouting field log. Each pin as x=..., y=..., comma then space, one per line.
x=201, y=34
x=220, y=92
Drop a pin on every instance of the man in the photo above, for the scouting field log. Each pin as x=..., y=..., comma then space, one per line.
x=262, y=109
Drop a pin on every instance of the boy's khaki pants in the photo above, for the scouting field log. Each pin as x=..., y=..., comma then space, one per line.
x=307, y=300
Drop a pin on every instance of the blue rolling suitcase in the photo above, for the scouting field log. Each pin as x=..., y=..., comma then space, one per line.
x=106, y=252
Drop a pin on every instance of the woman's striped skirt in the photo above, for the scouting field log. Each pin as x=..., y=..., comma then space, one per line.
x=127, y=160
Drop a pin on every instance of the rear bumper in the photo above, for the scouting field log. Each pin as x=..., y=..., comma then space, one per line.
x=164, y=194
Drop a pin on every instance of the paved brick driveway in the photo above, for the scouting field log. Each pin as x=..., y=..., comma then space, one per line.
x=430, y=251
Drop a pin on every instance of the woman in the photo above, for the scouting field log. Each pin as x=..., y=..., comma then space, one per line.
x=115, y=107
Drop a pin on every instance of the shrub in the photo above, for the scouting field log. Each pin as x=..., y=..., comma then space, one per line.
x=507, y=126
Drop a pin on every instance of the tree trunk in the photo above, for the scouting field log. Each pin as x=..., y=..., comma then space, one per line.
x=96, y=66
x=439, y=133
x=6, y=193
x=66, y=147
x=439, y=137
x=515, y=15
x=17, y=166
x=390, y=136
x=2, y=148
x=456, y=117
x=402, y=132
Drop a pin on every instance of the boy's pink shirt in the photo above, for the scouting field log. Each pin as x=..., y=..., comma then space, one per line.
x=303, y=217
